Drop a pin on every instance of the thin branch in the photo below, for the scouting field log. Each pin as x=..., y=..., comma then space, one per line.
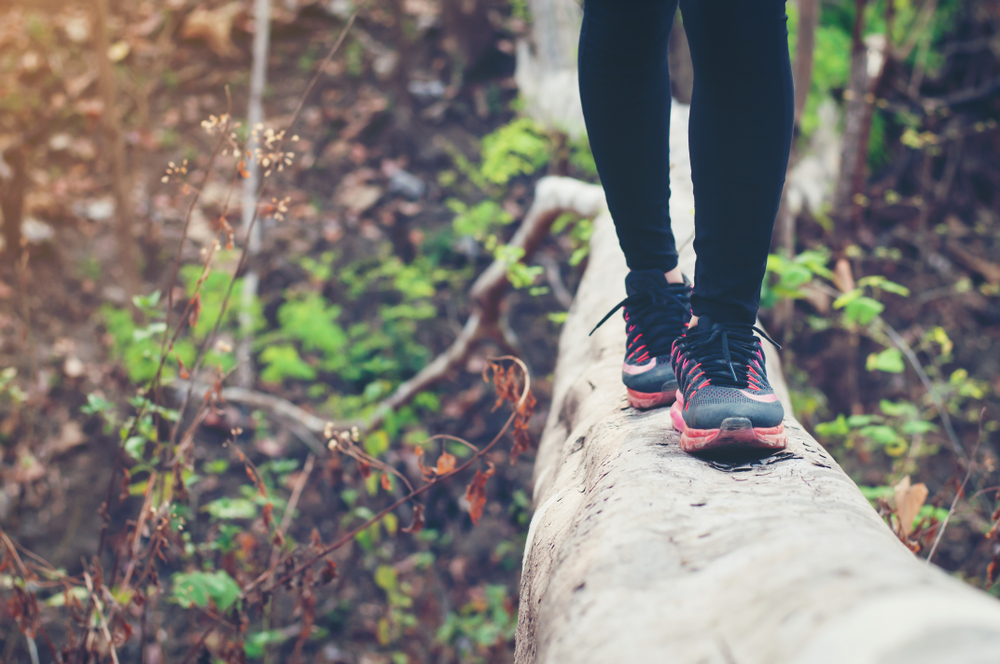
x=958, y=492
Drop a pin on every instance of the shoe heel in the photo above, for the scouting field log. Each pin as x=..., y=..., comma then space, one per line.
x=734, y=432
x=647, y=400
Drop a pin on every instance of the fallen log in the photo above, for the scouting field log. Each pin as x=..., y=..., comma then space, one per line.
x=638, y=552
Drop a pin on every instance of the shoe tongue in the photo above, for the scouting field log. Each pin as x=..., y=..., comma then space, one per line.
x=638, y=281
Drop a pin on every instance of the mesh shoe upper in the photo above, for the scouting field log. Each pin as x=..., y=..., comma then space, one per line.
x=656, y=313
x=721, y=373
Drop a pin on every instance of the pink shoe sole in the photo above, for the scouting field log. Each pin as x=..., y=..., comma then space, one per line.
x=734, y=432
x=647, y=400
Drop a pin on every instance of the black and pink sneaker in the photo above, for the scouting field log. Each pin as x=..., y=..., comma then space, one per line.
x=656, y=313
x=724, y=399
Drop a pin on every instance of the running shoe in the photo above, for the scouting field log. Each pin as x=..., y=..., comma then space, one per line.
x=656, y=313
x=724, y=399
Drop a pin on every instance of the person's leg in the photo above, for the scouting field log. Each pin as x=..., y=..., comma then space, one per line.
x=740, y=134
x=625, y=91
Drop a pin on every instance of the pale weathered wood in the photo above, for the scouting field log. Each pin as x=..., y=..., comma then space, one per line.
x=638, y=552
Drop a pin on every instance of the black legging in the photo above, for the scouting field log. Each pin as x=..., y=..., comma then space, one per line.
x=740, y=135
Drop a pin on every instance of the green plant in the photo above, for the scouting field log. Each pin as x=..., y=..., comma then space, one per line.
x=520, y=147
x=204, y=589
x=479, y=221
x=486, y=620
x=893, y=432
x=9, y=390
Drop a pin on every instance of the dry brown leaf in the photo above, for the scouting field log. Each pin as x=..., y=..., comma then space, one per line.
x=214, y=26
x=475, y=493
x=445, y=463
x=908, y=501
x=842, y=277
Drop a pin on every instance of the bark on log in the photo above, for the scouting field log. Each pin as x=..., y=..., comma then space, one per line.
x=638, y=552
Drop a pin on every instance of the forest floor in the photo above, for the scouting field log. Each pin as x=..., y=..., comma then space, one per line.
x=362, y=282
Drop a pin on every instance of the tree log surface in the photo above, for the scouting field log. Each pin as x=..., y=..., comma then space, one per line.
x=638, y=552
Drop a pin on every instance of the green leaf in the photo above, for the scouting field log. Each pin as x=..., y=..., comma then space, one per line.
x=847, y=298
x=254, y=645
x=890, y=360
x=794, y=277
x=386, y=577
x=313, y=322
x=915, y=427
x=520, y=147
x=231, y=508
x=282, y=362
x=835, y=429
x=97, y=404
x=874, y=492
x=862, y=310
x=479, y=220
x=900, y=409
x=146, y=303
x=199, y=587
x=152, y=330
x=216, y=467
x=135, y=447
x=882, y=434
x=377, y=443
x=880, y=282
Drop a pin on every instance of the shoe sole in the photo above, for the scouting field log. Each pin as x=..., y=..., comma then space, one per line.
x=733, y=433
x=647, y=400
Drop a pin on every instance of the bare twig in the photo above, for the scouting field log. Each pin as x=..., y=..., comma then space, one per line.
x=297, y=493
x=94, y=592
x=958, y=492
x=308, y=424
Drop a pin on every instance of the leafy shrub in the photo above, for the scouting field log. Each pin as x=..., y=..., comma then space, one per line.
x=520, y=147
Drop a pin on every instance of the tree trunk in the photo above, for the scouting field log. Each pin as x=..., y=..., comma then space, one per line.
x=802, y=68
x=638, y=552
x=546, y=70
x=128, y=261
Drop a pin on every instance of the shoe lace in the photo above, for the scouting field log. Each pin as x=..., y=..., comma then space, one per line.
x=659, y=315
x=724, y=351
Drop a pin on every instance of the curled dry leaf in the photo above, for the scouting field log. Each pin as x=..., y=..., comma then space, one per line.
x=522, y=439
x=908, y=501
x=418, y=520
x=329, y=571
x=386, y=482
x=365, y=468
x=475, y=493
x=445, y=464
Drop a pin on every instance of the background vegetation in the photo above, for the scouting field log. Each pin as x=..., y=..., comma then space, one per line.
x=145, y=523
